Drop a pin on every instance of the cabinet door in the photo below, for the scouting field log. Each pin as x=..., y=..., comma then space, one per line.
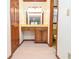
x=38, y=36
x=45, y=36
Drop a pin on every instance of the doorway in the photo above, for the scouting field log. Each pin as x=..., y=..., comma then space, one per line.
x=54, y=23
x=15, y=21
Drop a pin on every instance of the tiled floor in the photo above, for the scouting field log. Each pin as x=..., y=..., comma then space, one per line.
x=31, y=50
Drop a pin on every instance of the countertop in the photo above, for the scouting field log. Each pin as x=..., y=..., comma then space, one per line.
x=27, y=25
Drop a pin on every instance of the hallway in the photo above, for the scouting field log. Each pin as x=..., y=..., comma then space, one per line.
x=30, y=50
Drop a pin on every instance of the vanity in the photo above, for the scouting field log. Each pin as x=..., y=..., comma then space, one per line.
x=35, y=24
x=41, y=32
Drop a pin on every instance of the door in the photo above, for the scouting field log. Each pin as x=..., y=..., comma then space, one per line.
x=41, y=35
x=14, y=15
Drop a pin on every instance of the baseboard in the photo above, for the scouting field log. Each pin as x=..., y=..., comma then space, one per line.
x=18, y=46
x=41, y=42
x=57, y=57
x=50, y=45
x=21, y=43
x=10, y=56
x=14, y=51
x=29, y=40
x=35, y=42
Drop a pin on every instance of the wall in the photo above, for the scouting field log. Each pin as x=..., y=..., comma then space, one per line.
x=64, y=30
x=8, y=32
x=23, y=7
x=3, y=29
x=44, y=5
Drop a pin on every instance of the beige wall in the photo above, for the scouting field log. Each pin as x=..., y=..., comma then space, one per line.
x=23, y=7
x=45, y=7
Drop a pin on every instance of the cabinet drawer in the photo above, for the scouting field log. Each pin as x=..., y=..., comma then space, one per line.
x=32, y=29
x=24, y=29
x=28, y=29
x=44, y=28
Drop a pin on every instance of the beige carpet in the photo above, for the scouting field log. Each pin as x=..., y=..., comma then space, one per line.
x=31, y=50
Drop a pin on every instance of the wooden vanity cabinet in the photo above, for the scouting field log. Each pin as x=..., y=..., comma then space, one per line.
x=38, y=36
x=41, y=35
x=45, y=36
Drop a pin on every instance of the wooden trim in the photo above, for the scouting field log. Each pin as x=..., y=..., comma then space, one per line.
x=41, y=42
x=57, y=24
x=14, y=51
x=29, y=40
x=57, y=30
x=51, y=23
x=14, y=19
x=35, y=42
x=19, y=45
x=9, y=57
x=57, y=57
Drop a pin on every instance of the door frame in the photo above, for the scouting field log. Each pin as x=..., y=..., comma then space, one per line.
x=57, y=30
x=13, y=6
x=51, y=25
